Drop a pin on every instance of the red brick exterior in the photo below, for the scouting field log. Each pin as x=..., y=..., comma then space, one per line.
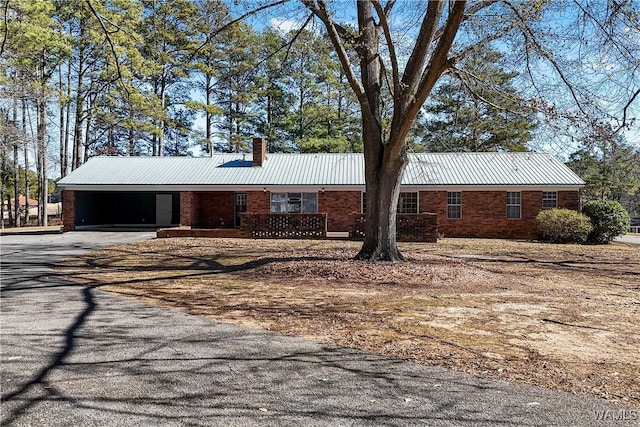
x=338, y=205
x=258, y=202
x=215, y=209
x=259, y=151
x=484, y=213
x=68, y=210
x=188, y=206
x=569, y=200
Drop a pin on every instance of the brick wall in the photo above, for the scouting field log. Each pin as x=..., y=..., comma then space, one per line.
x=484, y=213
x=258, y=202
x=339, y=205
x=214, y=209
x=569, y=200
x=68, y=210
x=187, y=207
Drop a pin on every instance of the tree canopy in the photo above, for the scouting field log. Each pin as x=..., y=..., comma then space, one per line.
x=188, y=77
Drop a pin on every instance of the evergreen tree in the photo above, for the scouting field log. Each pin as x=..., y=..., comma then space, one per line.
x=236, y=87
x=168, y=30
x=610, y=168
x=478, y=109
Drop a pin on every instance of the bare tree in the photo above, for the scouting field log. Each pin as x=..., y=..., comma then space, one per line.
x=379, y=34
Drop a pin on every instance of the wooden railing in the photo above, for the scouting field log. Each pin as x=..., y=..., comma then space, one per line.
x=284, y=226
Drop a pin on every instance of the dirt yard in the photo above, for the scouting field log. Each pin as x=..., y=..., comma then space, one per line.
x=561, y=316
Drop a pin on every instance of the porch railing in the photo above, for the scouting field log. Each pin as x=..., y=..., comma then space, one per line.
x=422, y=227
x=284, y=226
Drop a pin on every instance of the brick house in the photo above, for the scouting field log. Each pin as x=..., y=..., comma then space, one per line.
x=315, y=195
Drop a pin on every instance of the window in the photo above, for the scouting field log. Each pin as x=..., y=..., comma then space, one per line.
x=549, y=199
x=513, y=204
x=454, y=204
x=294, y=202
x=408, y=203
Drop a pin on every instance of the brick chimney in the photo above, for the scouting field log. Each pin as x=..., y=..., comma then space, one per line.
x=259, y=151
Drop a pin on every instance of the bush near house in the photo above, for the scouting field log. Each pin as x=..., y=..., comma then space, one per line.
x=609, y=219
x=563, y=226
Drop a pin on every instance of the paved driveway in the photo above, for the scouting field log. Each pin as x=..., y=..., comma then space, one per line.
x=76, y=356
x=629, y=238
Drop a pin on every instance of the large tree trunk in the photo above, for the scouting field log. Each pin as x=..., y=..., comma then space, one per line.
x=383, y=179
x=131, y=137
x=64, y=120
x=41, y=157
x=383, y=166
x=87, y=131
x=208, y=116
x=76, y=160
x=3, y=179
x=16, y=167
x=16, y=185
x=27, y=193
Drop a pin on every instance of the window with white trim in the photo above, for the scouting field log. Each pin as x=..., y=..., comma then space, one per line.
x=454, y=204
x=549, y=199
x=408, y=203
x=513, y=205
x=294, y=202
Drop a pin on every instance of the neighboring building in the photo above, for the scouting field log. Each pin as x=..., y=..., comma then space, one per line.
x=281, y=195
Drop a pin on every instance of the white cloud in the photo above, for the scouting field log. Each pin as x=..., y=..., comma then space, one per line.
x=285, y=25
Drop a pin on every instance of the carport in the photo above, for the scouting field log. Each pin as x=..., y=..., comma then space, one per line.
x=126, y=208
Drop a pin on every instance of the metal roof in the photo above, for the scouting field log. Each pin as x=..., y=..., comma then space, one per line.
x=425, y=169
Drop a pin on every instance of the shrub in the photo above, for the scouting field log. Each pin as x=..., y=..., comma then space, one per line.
x=609, y=219
x=563, y=226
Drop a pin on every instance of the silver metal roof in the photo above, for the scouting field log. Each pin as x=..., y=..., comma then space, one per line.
x=427, y=169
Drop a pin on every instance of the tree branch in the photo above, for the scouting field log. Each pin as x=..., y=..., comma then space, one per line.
x=415, y=64
x=6, y=25
x=459, y=74
x=625, y=110
x=495, y=36
x=542, y=52
x=439, y=62
x=389, y=6
x=235, y=21
x=320, y=10
x=470, y=11
x=390, y=45
x=295, y=37
x=107, y=35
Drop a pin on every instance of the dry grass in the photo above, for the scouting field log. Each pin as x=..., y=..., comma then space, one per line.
x=560, y=316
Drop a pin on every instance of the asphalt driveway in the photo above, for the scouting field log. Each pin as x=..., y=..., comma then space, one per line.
x=74, y=355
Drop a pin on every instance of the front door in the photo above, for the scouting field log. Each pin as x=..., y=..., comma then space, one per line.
x=241, y=206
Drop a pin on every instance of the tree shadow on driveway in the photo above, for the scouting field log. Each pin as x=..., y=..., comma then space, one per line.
x=74, y=355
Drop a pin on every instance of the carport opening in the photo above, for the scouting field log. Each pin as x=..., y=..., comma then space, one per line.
x=126, y=209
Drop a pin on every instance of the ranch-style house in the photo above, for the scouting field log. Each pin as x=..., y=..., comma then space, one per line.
x=493, y=195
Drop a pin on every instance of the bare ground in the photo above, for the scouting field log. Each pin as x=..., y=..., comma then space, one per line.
x=561, y=316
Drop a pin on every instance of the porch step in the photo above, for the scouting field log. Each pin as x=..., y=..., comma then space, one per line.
x=223, y=233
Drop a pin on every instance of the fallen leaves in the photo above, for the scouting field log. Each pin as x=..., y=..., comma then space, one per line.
x=560, y=316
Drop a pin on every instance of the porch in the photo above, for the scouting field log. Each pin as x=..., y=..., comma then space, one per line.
x=410, y=228
x=260, y=226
